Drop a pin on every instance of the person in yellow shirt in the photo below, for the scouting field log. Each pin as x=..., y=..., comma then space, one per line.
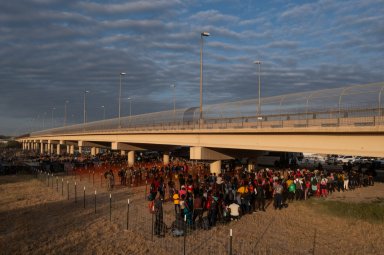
x=176, y=202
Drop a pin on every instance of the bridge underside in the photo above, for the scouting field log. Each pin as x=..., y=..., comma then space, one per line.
x=354, y=142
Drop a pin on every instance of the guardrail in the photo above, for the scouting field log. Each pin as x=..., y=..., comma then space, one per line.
x=331, y=118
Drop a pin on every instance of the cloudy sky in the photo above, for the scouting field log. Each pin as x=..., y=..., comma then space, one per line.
x=52, y=50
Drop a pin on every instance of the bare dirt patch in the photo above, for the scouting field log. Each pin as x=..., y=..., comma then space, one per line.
x=36, y=219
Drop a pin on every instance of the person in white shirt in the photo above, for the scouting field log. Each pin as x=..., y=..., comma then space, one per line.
x=234, y=211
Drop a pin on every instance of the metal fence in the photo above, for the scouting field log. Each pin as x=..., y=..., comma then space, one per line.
x=359, y=105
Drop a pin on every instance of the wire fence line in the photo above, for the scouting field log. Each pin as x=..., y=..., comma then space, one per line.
x=359, y=105
x=135, y=216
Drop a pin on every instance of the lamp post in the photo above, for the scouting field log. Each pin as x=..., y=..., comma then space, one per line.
x=121, y=74
x=65, y=112
x=130, y=106
x=201, y=74
x=53, y=109
x=44, y=115
x=258, y=62
x=85, y=111
x=173, y=86
x=103, y=107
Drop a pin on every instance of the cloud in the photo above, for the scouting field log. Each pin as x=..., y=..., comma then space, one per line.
x=213, y=16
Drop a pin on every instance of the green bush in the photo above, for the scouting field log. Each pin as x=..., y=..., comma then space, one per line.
x=372, y=212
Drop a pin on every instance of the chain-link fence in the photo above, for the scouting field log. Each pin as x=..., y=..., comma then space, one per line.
x=359, y=105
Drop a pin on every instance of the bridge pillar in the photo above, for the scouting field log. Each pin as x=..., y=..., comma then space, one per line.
x=122, y=152
x=52, y=148
x=251, y=166
x=41, y=148
x=80, y=149
x=131, y=158
x=97, y=150
x=166, y=158
x=58, y=149
x=93, y=151
x=72, y=149
x=215, y=167
x=49, y=147
x=67, y=151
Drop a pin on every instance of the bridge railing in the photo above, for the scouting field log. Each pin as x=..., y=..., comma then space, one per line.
x=357, y=117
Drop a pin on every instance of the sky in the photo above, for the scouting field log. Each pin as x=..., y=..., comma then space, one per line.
x=51, y=51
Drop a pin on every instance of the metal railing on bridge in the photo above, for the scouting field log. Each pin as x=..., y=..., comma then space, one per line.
x=359, y=105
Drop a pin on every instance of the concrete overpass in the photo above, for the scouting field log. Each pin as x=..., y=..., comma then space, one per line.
x=341, y=129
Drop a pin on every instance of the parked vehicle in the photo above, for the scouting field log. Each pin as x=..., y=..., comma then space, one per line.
x=346, y=159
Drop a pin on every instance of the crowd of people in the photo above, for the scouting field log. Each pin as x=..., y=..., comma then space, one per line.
x=202, y=201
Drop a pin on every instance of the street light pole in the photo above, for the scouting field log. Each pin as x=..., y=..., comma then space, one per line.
x=258, y=62
x=45, y=114
x=201, y=75
x=121, y=74
x=130, y=108
x=52, y=117
x=65, y=112
x=85, y=111
x=173, y=86
x=103, y=111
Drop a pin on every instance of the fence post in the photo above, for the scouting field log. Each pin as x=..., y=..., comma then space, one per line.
x=128, y=215
x=230, y=242
x=68, y=189
x=52, y=181
x=84, y=197
x=145, y=194
x=62, y=186
x=185, y=232
x=95, y=201
x=110, y=206
x=152, y=225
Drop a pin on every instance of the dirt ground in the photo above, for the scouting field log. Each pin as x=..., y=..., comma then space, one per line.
x=35, y=218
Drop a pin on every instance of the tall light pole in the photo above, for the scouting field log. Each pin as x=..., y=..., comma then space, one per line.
x=53, y=109
x=130, y=106
x=121, y=74
x=201, y=74
x=44, y=115
x=85, y=111
x=173, y=86
x=65, y=112
x=258, y=62
x=103, y=107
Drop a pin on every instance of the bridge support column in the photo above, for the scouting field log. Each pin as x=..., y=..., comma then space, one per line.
x=166, y=158
x=52, y=148
x=80, y=149
x=97, y=150
x=67, y=151
x=49, y=148
x=215, y=167
x=131, y=158
x=41, y=148
x=251, y=166
x=72, y=149
x=122, y=152
x=93, y=151
x=58, y=149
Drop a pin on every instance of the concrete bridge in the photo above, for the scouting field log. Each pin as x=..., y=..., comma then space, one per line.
x=346, y=120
